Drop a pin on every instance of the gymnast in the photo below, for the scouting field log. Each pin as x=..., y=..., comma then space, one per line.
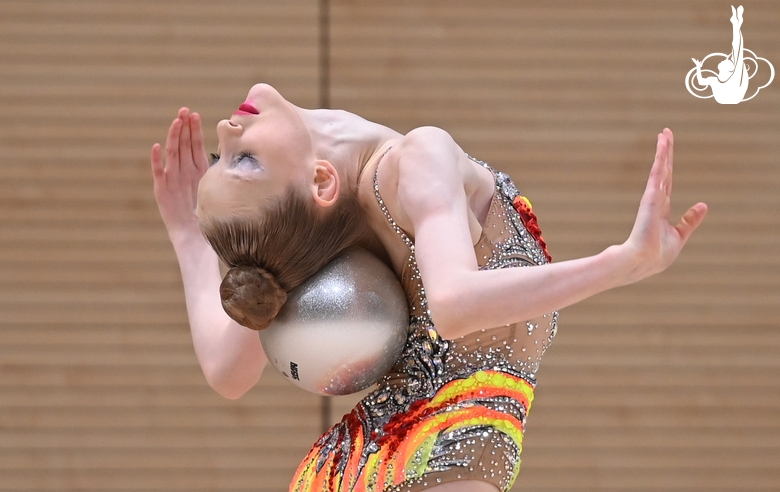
x=292, y=188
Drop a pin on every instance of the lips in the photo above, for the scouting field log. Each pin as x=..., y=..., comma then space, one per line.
x=247, y=108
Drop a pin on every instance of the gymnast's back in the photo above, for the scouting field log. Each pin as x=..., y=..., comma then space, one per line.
x=451, y=408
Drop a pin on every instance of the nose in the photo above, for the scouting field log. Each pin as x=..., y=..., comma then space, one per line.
x=228, y=130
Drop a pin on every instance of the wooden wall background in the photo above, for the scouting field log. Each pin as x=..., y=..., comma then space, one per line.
x=671, y=384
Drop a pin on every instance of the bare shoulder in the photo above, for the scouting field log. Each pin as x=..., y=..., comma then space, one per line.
x=428, y=151
x=426, y=174
x=432, y=168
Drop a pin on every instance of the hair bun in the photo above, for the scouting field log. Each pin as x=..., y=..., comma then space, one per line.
x=251, y=296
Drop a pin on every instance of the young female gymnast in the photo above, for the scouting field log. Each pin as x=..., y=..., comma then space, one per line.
x=294, y=187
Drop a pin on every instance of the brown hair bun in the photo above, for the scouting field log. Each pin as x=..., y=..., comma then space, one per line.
x=251, y=296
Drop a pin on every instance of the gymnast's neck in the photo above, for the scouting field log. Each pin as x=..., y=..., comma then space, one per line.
x=346, y=140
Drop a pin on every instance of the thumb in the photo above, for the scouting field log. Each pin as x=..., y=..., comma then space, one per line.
x=691, y=220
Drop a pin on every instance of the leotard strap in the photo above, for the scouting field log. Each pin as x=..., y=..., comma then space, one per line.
x=384, y=209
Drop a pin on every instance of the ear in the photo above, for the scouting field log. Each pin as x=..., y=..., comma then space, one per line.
x=325, y=185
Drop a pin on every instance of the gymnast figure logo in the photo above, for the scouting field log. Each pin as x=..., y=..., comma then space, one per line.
x=730, y=84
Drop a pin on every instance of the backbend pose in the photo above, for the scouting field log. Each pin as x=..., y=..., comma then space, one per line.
x=294, y=187
x=731, y=84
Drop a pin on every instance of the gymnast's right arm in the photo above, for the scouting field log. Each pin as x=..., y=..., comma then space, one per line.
x=230, y=355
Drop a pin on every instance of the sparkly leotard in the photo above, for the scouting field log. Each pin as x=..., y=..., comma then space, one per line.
x=449, y=409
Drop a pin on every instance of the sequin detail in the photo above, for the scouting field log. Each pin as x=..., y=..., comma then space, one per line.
x=438, y=433
x=449, y=409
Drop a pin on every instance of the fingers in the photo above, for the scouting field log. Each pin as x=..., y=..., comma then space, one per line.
x=185, y=142
x=669, y=160
x=158, y=170
x=657, y=172
x=691, y=220
x=198, y=145
x=172, y=164
x=661, y=173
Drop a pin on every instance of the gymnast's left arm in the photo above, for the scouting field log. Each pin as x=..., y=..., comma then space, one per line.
x=229, y=354
x=463, y=299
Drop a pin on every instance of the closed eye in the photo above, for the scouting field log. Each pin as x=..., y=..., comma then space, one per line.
x=247, y=161
x=214, y=159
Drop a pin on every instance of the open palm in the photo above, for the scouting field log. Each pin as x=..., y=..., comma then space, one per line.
x=176, y=180
x=653, y=239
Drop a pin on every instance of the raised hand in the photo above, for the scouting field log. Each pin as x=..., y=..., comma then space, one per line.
x=231, y=356
x=654, y=242
x=176, y=180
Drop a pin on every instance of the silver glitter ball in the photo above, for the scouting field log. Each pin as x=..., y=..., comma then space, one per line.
x=341, y=330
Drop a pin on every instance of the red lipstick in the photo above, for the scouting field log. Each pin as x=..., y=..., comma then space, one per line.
x=247, y=108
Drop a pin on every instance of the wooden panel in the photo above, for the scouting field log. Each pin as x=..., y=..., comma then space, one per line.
x=666, y=385
x=99, y=386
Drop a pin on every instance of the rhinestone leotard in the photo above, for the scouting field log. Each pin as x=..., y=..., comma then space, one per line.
x=449, y=409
